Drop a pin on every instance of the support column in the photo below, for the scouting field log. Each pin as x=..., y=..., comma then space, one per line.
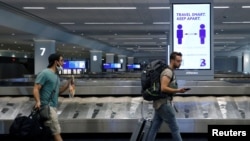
x=131, y=61
x=246, y=60
x=110, y=59
x=122, y=59
x=43, y=48
x=239, y=63
x=95, y=61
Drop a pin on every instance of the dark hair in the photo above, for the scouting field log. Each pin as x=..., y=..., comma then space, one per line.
x=52, y=58
x=174, y=54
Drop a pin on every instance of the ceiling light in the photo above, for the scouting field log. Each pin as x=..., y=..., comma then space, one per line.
x=133, y=38
x=246, y=22
x=232, y=47
x=141, y=43
x=151, y=48
x=221, y=7
x=102, y=39
x=158, y=7
x=242, y=22
x=95, y=8
x=162, y=38
x=161, y=23
x=115, y=23
x=34, y=8
x=219, y=47
x=224, y=42
x=244, y=6
x=66, y=23
x=158, y=50
x=229, y=38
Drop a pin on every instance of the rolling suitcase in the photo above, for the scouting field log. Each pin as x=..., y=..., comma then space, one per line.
x=141, y=131
x=136, y=135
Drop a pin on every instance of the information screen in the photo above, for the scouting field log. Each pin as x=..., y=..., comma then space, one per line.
x=74, y=65
x=191, y=34
x=112, y=66
x=133, y=66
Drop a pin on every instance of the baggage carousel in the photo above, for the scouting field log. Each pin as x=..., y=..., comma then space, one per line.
x=103, y=105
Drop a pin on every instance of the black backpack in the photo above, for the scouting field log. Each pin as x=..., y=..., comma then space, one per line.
x=150, y=80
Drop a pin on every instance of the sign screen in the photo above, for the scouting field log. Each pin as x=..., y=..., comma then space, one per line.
x=74, y=65
x=191, y=35
x=133, y=66
x=112, y=66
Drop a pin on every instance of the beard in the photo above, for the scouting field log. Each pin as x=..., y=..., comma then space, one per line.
x=176, y=66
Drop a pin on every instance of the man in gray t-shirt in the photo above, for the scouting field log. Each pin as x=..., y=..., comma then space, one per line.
x=172, y=84
x=164, y=110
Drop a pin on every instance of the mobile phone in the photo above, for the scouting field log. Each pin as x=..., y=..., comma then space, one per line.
x=187, y=89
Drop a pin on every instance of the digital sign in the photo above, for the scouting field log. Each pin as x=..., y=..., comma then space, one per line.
x=191, y=34
x=133, y=66
x=112, y=66
x=74, y=65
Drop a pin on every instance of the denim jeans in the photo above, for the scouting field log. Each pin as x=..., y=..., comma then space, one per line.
x=164, y=113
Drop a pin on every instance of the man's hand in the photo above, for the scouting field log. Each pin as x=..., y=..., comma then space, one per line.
x=38, y=105
x=72, y=86
x=182, y=90
x=72, y=89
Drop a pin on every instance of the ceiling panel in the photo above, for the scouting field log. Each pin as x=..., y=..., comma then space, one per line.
x=227, y=36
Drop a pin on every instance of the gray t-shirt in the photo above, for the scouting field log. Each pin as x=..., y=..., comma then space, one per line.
x=173, y=84
x=49, y=82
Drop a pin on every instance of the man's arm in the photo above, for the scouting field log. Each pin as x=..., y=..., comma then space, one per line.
x=36, y=95
x=165, y=80
x=66, y=86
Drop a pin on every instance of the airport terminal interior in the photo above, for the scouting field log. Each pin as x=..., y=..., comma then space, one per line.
x=106, y=44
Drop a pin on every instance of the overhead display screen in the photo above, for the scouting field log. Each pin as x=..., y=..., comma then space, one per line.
x=112, y=66
x=74, y=64
x=191, y=35
x=133, y=66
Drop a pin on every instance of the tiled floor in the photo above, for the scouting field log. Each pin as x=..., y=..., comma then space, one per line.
x=126, y=137
x=115, y=137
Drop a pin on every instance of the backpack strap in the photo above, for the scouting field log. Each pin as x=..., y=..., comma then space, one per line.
x=172, y=78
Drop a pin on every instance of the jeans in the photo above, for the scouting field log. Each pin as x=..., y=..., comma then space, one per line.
x=164, y=113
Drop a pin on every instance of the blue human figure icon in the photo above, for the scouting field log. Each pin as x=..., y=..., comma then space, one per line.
x=202, y=34
x=179, y=33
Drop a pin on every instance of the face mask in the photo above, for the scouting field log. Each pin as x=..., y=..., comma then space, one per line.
x=59, y=68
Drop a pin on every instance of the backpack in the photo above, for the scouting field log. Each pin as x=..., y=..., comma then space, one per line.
x=150, y=80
